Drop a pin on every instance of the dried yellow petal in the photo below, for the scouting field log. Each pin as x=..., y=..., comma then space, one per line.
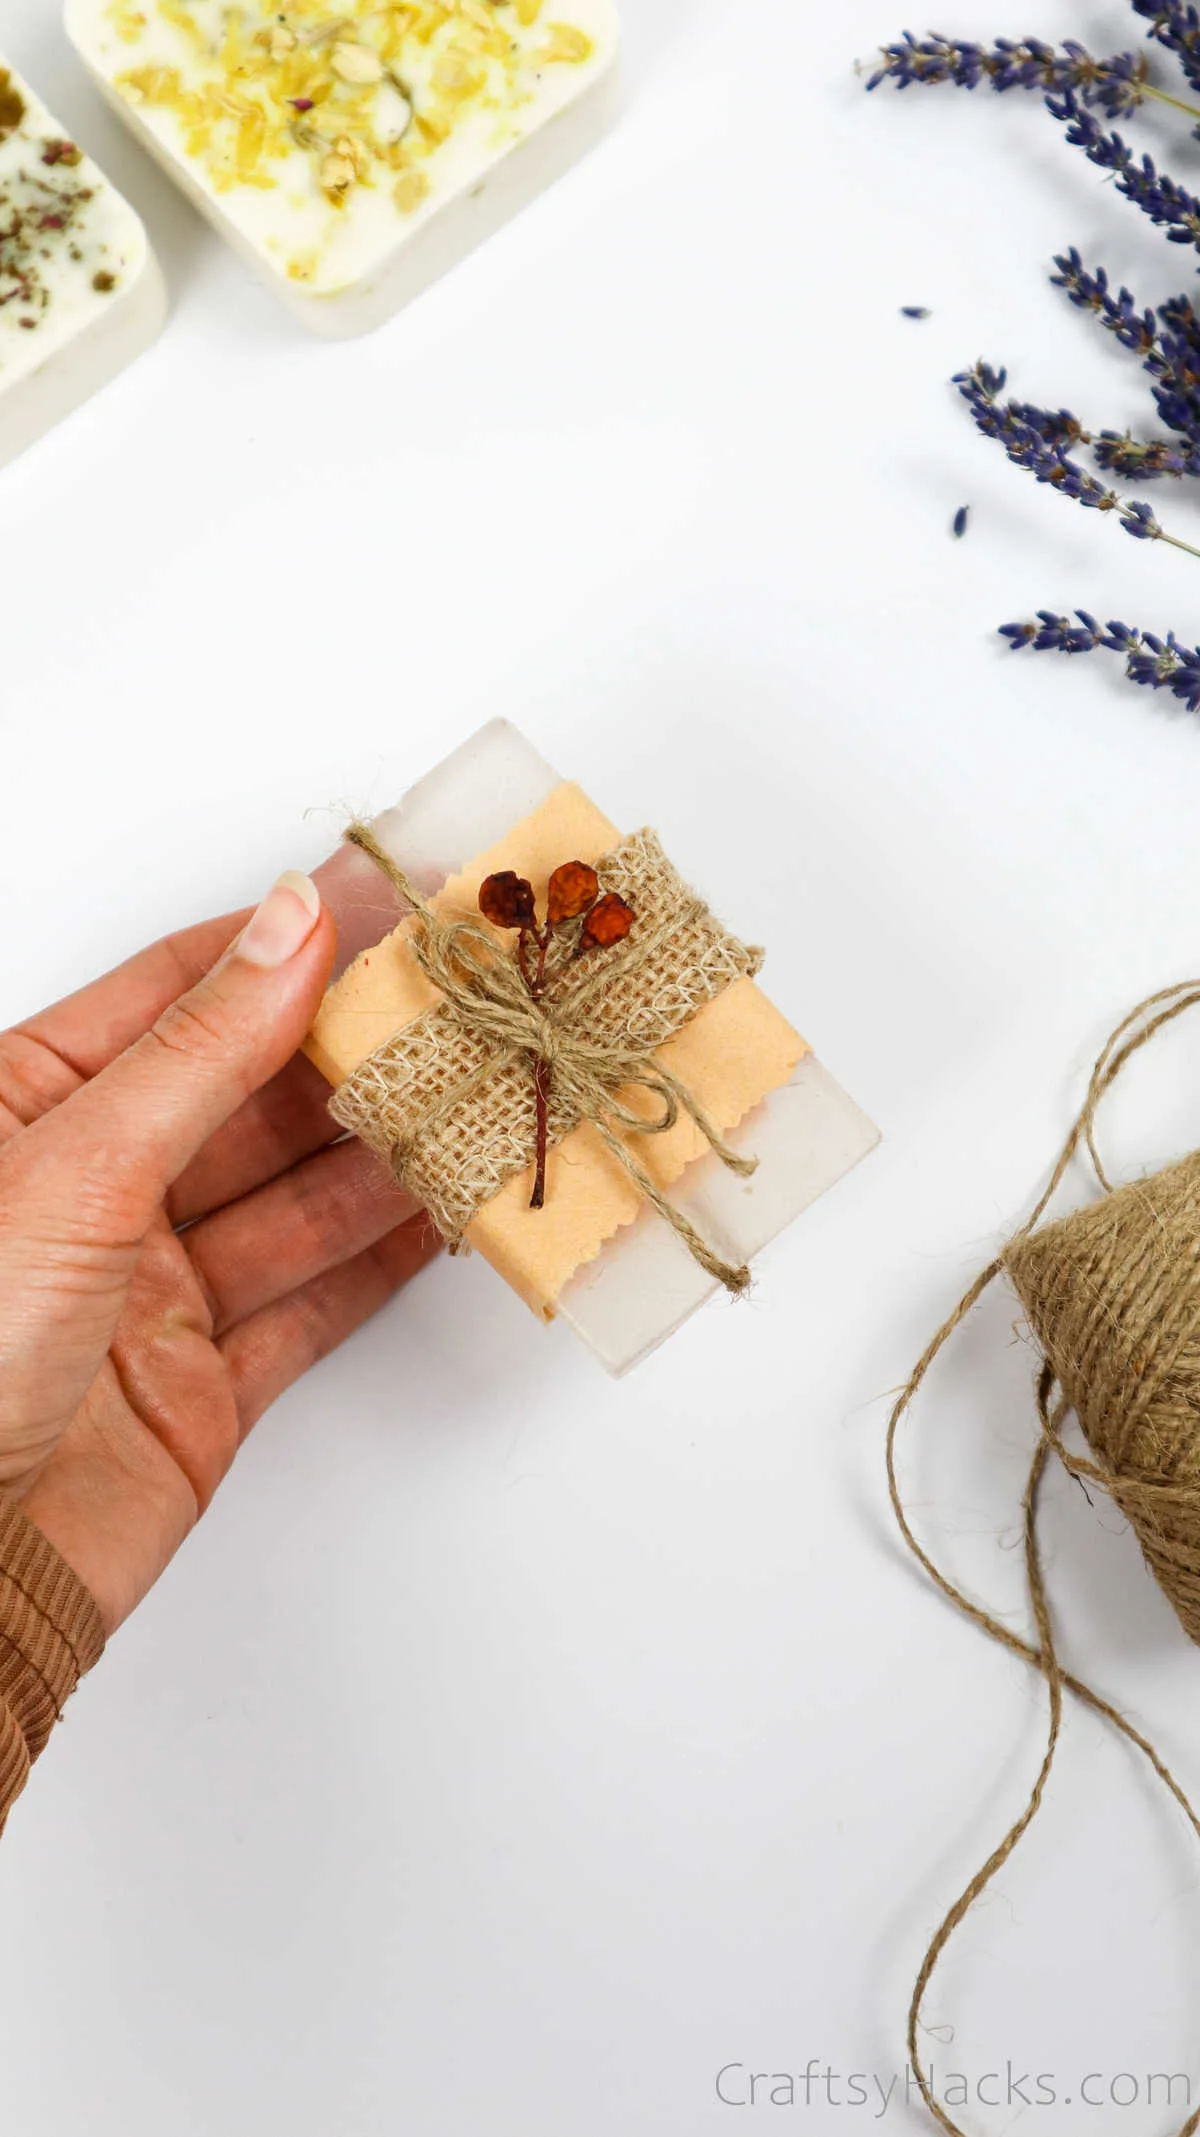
x=432, y=127
x=325, y=32
x=410, y=190
x=128, y=22
x=566, y=43
x=356, y=63
x=453, y=78
x=251, y=136
x=337, y=173
x=174, y=11
x=281, y=76
x=431, y=21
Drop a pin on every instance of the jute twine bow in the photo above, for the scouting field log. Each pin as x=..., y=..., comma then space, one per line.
x=484, y=995
x=1112, y=1295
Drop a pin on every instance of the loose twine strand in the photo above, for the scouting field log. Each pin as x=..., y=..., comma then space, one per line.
x=485, y=992
x=1134, y=1032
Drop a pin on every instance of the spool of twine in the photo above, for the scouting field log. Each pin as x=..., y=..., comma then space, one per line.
x=1111, y=1295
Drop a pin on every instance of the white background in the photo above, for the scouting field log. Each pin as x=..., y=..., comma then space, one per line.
x=511, y=1750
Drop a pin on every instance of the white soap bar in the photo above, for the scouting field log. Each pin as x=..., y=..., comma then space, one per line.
x=352, y=153
x=644, y=1284
x=80, y=291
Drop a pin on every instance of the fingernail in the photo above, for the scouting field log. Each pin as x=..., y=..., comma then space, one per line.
x=283, y=923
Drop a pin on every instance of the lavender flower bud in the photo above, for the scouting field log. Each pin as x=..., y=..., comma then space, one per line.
x=1177, y=26
x=1155, y=663
x=1115, y=85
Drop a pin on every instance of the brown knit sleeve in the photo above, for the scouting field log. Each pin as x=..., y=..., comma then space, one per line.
x=50, y=1634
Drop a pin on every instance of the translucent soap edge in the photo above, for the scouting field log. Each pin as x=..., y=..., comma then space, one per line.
x=84, y=366
x=643, y=1284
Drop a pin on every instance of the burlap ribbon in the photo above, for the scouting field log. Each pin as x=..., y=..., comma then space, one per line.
x=449, y=1101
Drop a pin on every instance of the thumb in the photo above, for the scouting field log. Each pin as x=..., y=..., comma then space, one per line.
x=153, y=1108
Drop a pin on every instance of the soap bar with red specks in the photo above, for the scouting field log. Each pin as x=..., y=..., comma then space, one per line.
x=80, y=291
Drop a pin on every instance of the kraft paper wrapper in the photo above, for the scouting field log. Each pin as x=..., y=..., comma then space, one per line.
x=735, y=1050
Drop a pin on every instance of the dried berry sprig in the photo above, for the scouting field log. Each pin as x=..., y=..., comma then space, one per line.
x=1117, y=85
x=573, y=895
x=1155, y=663
x=1034, y=439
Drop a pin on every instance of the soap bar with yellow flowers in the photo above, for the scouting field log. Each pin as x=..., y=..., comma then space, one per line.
x=350, y=152
x=597, y=1253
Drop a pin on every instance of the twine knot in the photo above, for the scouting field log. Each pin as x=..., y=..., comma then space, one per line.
x=441, y=1102
x=549, y=1043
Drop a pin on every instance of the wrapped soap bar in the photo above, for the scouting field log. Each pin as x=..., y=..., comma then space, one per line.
x=350, y=152
x=600, y=1254
x=80, y=290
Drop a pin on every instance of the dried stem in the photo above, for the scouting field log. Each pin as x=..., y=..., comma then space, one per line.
x=1163, y=96
x=541, y=1090
x=1175, y=543
x=541, y=1068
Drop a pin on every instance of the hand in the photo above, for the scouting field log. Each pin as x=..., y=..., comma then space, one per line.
x=178, y=1240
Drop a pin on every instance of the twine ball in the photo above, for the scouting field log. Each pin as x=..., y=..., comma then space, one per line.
x=1112, y=1295
x=1112, y=1299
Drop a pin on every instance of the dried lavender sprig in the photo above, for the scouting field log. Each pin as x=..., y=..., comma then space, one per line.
x=1172, y=359
x=1176, y=366
x=1064, y=634
x=1176, y=25
x=1022, y=428
x=1033, y=440
x=1134, y=330
x=1015, y=422
x=1158, y=196
x=1178, y=314
x=1177, y=393
x=1117, y=85
x=1156, y=663
x=1053, y=426
x=1146, y=459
